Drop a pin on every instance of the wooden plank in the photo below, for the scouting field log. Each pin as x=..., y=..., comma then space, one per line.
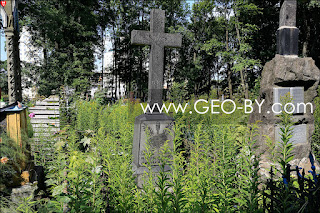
x=44, y=108
x=24, y=127
x=18, y=116
x=46, y=117
x=12, y=126
x=43, y=103
x=51, y=100
x=35, y=125
x=38, y=141
x=45, y=112
x=45, y=121
x=42, y=134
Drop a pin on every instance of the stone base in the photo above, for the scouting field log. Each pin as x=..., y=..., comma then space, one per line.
x=303, y=163
x=139, y=174
x=26, y=191
x=151, y=132
x=289, y=73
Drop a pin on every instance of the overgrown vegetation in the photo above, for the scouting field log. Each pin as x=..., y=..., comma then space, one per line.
x=214, y=167
x=316, y=135
x=13, y=157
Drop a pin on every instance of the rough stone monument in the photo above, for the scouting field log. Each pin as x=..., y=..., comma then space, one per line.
x=287, y=73
x=155, y=126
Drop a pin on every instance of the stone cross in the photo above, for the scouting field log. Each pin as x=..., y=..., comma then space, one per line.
x=288, y=33
x=158, y=39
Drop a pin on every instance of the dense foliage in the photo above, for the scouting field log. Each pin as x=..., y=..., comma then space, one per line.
x=316, y=135
x=225, y=43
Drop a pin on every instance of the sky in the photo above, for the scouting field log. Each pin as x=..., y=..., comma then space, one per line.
x=3, y=55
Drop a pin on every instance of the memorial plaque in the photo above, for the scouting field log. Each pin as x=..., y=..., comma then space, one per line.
x=299, y=134
x=278, y=93
x=153, y=129
x=297, y=94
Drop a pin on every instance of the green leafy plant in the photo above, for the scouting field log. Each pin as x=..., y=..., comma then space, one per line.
x=12, y=156
x=316, y=136
x=286, y=128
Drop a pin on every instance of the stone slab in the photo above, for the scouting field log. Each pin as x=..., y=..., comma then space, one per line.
x=298, y=97
x=278, y=93
x=299, y=134
x=297, y=93
x=155, y=128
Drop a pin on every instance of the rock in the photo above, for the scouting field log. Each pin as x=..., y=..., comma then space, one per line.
x=286, y=71
x=25, y=191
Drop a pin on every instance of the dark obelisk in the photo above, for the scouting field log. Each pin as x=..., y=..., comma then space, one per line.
x=288, y=33
x=152, y=130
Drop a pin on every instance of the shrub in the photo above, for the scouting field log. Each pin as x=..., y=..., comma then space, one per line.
x=12, y=156
x=316, y=136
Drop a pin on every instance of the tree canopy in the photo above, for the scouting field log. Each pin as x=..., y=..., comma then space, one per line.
x=225, y=43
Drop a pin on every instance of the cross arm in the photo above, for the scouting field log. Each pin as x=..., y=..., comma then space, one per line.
x=172, y=40
x=140, y=37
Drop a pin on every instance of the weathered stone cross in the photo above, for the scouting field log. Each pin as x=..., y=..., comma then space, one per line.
x=158, y=39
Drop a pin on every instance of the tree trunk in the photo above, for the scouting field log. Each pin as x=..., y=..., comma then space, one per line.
x=243, y=77
x=229, y=72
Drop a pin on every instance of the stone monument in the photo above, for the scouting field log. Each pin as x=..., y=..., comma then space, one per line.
x=287, y=73
x=156, y=126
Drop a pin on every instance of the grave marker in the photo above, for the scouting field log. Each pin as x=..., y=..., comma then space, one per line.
x=158, y=39
x=156, y=126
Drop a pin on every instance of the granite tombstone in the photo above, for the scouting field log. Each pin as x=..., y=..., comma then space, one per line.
x=153, y=127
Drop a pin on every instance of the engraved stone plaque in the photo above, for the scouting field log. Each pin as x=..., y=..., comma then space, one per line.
x=155, y=134
x=299, y=134
x=278, y=93
x=153, y=131
x=297, y=94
